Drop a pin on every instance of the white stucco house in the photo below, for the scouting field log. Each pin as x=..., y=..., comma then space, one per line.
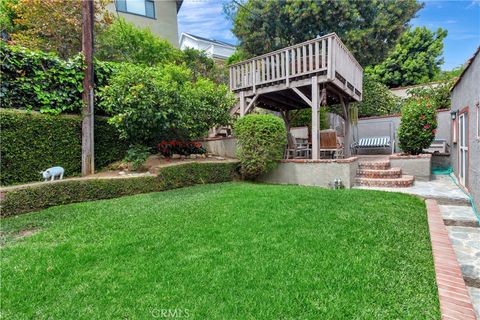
x=160, y=16
x=214, y=49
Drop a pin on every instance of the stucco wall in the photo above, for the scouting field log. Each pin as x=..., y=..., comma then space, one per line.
x=164, y=25
x=467, y=94
x=388, y=126
x=419, y=166
x=225, y=147
x=319, y=173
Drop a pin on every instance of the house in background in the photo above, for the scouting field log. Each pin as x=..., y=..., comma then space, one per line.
x=160, y=16
x=217, y=50
x=465, y=115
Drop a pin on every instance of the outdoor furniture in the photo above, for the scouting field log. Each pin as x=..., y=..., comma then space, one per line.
x=296, y=150
x=374, y=143
x=331, y=144
x=437, y=146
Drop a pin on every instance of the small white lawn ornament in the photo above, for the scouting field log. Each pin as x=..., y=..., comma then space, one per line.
x=52, y=173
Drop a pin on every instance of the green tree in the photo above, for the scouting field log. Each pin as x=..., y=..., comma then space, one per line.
x=416, y=59
x=370, y=29
x=151, y=103
x=123, y=42
x=439, y=96
x=377, y=99
x=203, y=66
x=50, y=25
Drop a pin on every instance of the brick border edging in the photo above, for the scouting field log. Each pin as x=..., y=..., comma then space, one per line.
x=455, y=302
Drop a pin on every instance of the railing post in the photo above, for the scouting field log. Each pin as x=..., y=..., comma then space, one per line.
x=287, y=68
x=242, y=103
x=315, y=120
x=254, y=71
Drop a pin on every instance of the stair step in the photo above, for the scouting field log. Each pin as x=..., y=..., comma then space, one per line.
x=374, y=165
x=380, y=173
x=403, y=182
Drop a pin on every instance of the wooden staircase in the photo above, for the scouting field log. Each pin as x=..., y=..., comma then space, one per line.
x=380, y=174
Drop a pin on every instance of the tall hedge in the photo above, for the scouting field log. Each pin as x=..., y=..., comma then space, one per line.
x=36, y=80
x=31, y=142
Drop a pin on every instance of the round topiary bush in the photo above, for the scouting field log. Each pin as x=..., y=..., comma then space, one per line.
x=418, y=126
x=261, y=140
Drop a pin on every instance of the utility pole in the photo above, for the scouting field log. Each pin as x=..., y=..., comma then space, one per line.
x=88, y=83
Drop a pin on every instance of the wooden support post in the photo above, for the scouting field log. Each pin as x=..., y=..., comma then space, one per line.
x=346, y=117
x=242, y=103
x=315, y=120
x=88, y=83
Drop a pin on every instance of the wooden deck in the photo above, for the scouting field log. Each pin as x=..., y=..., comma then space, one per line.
x=311, y=74
x=292, y=67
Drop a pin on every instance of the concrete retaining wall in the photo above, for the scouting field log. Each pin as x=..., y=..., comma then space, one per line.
x=419, y=166
x=224, y=147
x=319, y=173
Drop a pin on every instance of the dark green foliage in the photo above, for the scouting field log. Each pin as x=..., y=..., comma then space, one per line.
x=205, y=67
x=416, y=59
x=418, y=126
x=377, y=99
x=34, y=80
x=137, y=155
x=262, y=139
x=78, y=190
x=303, y=118
x=439, y=96
x=150, y=104
x=123, y=42
x=35, y=142
x=370, y=29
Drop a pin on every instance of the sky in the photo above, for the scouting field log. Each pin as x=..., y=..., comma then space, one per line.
x=460, y=17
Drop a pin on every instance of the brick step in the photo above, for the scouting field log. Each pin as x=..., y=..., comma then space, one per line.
x=403, y=182
x=376, y=173
x=374, y=165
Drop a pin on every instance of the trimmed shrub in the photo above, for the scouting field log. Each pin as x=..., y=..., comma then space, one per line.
x=418, y=126
x=32, y=142
x=262, y=140
x=60, y=192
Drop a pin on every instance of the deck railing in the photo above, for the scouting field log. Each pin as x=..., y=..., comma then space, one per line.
x=324, y=54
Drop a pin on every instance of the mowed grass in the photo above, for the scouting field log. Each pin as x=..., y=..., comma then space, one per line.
x=225, y=251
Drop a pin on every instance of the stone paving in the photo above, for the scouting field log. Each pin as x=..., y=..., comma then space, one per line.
x=475, y=294
x=466, y=243
x=441, y=188
x=459, y=216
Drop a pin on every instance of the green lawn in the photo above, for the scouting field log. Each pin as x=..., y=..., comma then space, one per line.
x=225, y=251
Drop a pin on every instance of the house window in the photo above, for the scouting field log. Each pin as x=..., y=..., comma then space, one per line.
x=140, y=7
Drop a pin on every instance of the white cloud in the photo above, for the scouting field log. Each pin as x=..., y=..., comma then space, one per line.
x=205, y=18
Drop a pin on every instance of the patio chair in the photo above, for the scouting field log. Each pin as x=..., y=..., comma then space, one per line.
x=296, y=150
x=331, y=144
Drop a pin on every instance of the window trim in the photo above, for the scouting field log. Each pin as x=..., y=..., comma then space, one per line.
x=477, y=105
x=138, y=14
